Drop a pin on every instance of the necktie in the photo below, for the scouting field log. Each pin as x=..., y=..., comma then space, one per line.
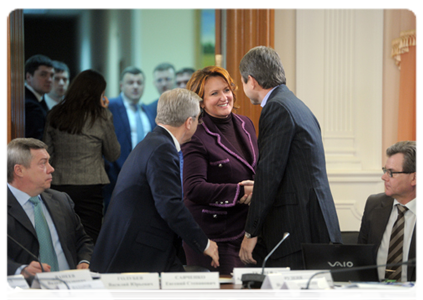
x=140, y=129
x=395, y=246
x=47, y=253
x=181, y=165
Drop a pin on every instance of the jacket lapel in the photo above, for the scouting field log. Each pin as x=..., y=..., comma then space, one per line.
x=222, y=142
x=16, y=211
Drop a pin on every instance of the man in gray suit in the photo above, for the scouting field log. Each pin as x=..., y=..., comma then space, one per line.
x=381, y=211
x=291, y=188
x=65, y=245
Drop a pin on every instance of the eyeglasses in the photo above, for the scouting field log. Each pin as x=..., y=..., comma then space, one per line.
x=391, y=173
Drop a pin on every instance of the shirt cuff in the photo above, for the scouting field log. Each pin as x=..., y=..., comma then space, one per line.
x=208, y=245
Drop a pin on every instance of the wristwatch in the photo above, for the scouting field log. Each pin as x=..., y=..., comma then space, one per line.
x=248, y=235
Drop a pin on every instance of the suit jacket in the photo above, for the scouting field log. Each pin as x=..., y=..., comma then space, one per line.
x=373, y=224
x=212, y=170
x=76, y=244
x=78, y=158
x=35, y=116
x=123, y=133
x=146, y=213
x=291, y=188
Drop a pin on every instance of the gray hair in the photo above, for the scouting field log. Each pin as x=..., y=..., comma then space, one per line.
x=176, y=106
x=264, y=65
x=19, y=153
x=408, y=149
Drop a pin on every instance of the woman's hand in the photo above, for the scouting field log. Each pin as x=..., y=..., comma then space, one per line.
x=248, y=191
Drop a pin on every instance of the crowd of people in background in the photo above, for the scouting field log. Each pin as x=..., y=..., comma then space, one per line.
x=121, y=185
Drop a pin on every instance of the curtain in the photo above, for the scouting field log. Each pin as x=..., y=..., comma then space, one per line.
x=404, y=54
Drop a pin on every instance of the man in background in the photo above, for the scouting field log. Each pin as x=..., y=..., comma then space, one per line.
x=132, y=120
x=147, y=215
x=291, y=188
x=40, y=219
x=379, y=223
x=60, y=84
x=183, y=76
x=39, y=73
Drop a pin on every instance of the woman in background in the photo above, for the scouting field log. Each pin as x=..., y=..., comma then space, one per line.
x=219, y=166
x=79, y=132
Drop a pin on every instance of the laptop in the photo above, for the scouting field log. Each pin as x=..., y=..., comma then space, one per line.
x=346, y=262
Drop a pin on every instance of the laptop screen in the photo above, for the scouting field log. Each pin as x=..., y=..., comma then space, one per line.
x=342, y=260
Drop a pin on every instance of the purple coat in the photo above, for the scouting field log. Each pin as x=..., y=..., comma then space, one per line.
x=212, y=170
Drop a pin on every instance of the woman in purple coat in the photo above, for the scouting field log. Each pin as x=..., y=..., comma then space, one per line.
x=219, y=167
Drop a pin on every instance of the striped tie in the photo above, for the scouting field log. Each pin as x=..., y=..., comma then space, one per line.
x=395, y=246
x=47, y=253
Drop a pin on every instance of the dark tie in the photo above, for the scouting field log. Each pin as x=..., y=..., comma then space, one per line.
x=47, y=253
x=395, y=246
x=181, y=165
x=140, y=129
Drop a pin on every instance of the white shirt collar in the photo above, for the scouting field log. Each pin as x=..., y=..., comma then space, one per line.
x=177, y=145
x=410, y=205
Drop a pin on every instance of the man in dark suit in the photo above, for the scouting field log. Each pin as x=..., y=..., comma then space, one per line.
x=29, y=176
x=127, y=112
x=381, y=211
x=291, y=189
x=39, y=73
x=146, y=214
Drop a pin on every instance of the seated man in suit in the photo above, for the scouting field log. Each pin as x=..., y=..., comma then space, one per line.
x=39, y=219
x=147, y=215
x=379, y=223
x=39, y=73
x=132, y=120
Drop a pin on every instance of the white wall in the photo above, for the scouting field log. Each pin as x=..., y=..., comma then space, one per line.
x=338, y=74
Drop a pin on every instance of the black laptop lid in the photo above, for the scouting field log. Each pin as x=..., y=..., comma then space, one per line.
x=342, y=258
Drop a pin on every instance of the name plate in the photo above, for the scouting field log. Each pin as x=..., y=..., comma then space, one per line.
x=131, y=281
x=17, y=281
x=84, y=285
x=190, y=281
x=238, y=272
x=297, y=279
x=50, y=280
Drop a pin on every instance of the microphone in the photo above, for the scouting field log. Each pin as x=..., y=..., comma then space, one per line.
x=27, y=251
x=256, y=280
x=358, y=268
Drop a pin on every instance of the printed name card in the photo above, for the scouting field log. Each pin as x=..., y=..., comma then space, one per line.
x=17, y=281
x=293, y=288
x=190, y=281
x=131, y=281
x=298, y=279
x=89, y=290
x=238, y=272
x=50, y=280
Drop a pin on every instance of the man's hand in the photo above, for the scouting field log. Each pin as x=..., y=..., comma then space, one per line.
x=248, y=191
x=83, y=266
x=213, y=253
x=34, y=268
x=246, y=251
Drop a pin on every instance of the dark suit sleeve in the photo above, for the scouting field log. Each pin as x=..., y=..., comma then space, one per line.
x=363, y=235
x=277, y=129
x=165, y=182
x=75, y=242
